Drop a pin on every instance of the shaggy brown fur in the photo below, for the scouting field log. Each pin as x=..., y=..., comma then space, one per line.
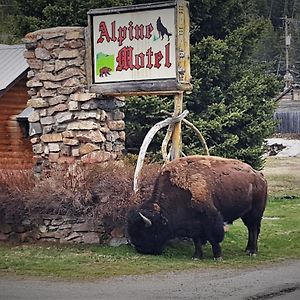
x=192, y=197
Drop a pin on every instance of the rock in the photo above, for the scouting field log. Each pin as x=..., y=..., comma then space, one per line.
x=112, y=136
x=47, y=129
x=42, y=228
x=118, y=115
x=73, y=105
x=70, y=141
x=116, y=242
x=34, y=83
x=65, y=74
x=75, y=152
x=34, y=117
x=59, y=65
x=89, y=105
x=51, y=85
x=68, y=54
x=35, y=140
x=62, y=117
x=91, y=238
x=110, y=104
x=49, y=44
x=47, y=93
x=57, y=222
x=83, y=115
x=93, y=136
x=29, y=54
x=67, y=90
x=57, y=99
x=42, y=53
x=73, y=44
x=35, y=64
x=52, y=137
x=47, y=120
x=65, y=150
x=38, y=148
x=54, y=147
x=87, y=148
x=71, y=82
x=116, y=125
x=48, y=67
x=37, y=103
x=122, y=136
x=72, y=236
x=57, y=108
x=74, y=35
x=81, y=97
x=97, y=156
x=82, y=125
x=68, y=134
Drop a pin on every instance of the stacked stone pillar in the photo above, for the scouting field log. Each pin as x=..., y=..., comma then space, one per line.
x=68, y=122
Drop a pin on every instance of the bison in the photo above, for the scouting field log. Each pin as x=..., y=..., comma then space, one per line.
x=192, y=197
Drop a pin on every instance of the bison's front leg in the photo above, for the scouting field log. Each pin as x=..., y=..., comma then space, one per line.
x=217, y=252
x=198, y=248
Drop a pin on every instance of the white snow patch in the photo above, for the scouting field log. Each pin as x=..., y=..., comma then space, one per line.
x=292, y=147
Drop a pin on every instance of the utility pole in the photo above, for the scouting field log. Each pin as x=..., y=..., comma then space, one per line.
x=288, y=77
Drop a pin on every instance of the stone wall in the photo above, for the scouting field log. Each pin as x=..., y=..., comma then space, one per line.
x=68, y=123
x=62, y=230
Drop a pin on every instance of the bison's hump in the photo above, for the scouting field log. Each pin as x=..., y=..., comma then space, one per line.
x=204, y=176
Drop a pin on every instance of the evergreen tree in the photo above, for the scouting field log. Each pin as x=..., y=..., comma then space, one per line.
x=231, y=102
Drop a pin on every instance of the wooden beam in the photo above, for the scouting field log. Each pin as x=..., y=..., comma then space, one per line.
x=176, y=136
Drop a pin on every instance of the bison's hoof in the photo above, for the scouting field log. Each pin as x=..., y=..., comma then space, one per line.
x=197, y=257
x=218, y=258
x=251, y=254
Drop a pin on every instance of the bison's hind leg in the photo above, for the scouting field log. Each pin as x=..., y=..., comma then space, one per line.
x=253, y=225
x=198, y=248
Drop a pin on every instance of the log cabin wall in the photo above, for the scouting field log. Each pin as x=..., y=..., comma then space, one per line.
x=15, y=148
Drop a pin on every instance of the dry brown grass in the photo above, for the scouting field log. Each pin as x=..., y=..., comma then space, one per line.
x=283, y=175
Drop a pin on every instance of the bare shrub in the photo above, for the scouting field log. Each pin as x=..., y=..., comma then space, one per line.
x=102, y=191
x=13, y=186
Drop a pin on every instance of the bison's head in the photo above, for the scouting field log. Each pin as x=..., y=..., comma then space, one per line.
x=148, y=231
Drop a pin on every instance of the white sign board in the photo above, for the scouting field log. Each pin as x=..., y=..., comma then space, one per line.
x=133, y=48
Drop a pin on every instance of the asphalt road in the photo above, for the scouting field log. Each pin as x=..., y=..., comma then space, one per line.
x=280, y=281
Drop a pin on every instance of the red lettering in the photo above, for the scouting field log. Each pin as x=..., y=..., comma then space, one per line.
x=149, y=54
x=139, y=32
x=124, y=59
x=113, y=31
x=167, y=56
x=149, y=29
x=103, y=32
x=157, y=58
x=122, y=31
x=139, y=61
x=130, y=30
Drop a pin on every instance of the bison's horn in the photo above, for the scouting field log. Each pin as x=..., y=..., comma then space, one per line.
x=146, y=220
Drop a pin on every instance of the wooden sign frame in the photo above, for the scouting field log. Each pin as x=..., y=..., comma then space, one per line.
x=179, y=80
